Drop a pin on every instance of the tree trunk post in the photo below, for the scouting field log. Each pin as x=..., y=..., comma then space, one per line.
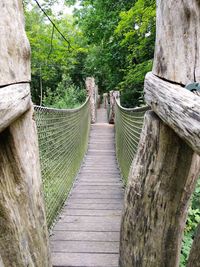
x=193, y=260
x=113, y=96
x=161, y=180
x=165, y=169
x=92, y=90
x=23, y=229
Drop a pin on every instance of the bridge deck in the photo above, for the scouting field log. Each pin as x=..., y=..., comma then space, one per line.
x=87, y=234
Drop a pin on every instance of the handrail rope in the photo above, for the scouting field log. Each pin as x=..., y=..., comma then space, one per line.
x=63, y=137
x=128, y=127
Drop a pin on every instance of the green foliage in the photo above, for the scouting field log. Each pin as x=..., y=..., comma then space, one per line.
x=137, y=30
x=67, y=95
x=111, y=40
x=121, y=37
x=131, y=87
x=51, y=56
x=192, y=221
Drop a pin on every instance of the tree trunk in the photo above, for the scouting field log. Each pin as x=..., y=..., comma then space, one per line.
x=177, y=53
x=14, y=45
x=161, y=180
x=194, y=258
x=165, y=169
x=23, y=233
x=91, y=91
x=23, y=228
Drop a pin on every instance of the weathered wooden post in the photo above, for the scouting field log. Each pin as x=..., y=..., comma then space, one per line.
x=165, y=169
x=92, y=91
x=23, y=231
x=113, y=96
x=105, y=100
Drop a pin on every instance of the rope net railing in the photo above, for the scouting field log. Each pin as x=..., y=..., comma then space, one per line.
x=63, y=138
x=128, y=127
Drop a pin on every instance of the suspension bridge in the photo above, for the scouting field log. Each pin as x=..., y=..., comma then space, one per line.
x=82, y=181
x=87, y=230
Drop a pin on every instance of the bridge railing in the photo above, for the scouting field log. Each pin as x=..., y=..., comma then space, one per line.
x=63, y=138
x=128, y=127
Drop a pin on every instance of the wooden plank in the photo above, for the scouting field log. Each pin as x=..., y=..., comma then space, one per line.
x=95, y=196
x=86, y=219
x=99, y=176
x=100, y=213
x=89, y=226
x=177, y=107
x=84, y=260
x=85, y=247
x=88, y=183
x=93, y=206
x=85, y=236
x=98, y=167
x=97, y=191
x=95, y=201
x=100, y=179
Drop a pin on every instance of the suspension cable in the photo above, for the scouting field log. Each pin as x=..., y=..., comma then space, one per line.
x=54, y=25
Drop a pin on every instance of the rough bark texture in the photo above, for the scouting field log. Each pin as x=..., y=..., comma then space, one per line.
x=23, y=235
x=177, y=54
x=176, y=106
x=92, y=91
x=14, y=46
x=14, y=101
x=194, y=258
x=161, y=181
x=113, y=96
x=105, y=100
x=23, y=230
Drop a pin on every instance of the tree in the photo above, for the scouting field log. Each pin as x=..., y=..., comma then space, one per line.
x=137, y=31
x=52, y=58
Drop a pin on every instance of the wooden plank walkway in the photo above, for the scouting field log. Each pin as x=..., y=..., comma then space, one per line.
x=87, y=234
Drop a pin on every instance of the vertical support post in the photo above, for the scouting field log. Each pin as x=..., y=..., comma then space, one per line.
x=105, y=100
x=23, y=228
x=165, y=169
x=91, y=91
x=113, y=96
x=161, y=180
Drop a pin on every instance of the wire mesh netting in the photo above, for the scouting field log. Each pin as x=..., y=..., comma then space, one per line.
x=128, y=127
x=63, y=138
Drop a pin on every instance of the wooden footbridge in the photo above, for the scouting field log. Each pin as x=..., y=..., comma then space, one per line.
x=87, y=233
x=157, y=154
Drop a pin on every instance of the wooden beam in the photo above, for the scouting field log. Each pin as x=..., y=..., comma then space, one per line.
x=14, y=101
x=177, y=107
x=161, y=181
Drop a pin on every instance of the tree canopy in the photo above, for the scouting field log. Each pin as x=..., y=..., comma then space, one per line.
x=110, y=40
